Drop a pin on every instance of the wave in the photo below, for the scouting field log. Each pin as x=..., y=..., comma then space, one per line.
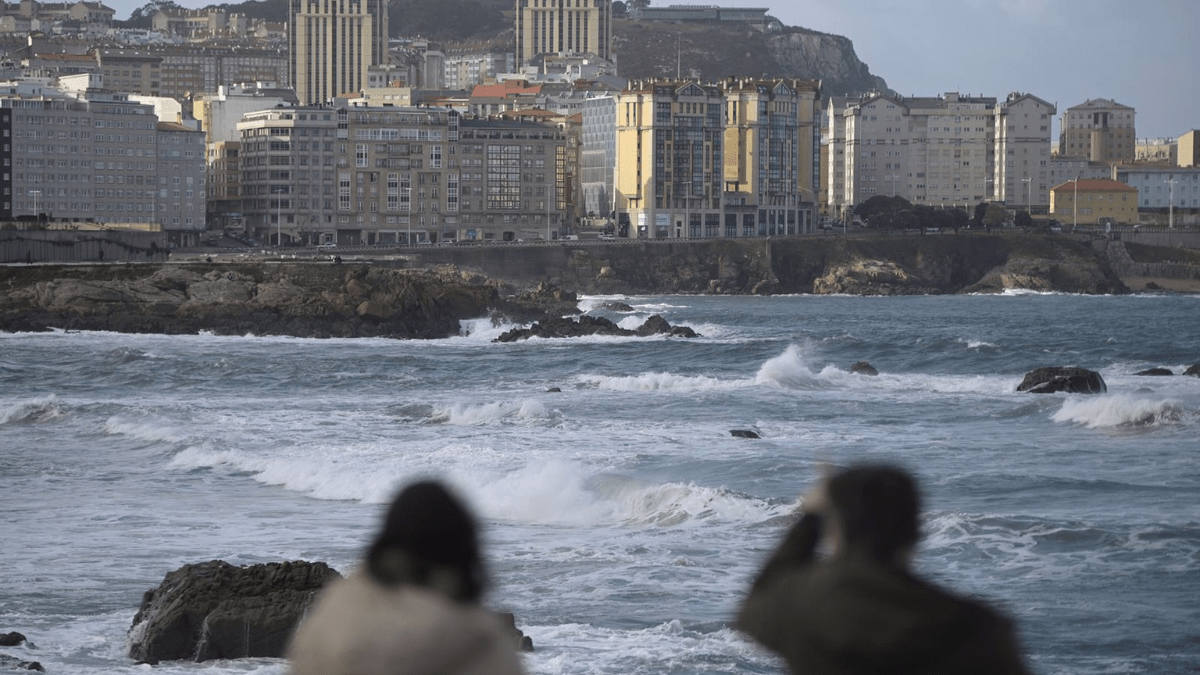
x=1118, y=410
x=790, y=371
x=153, y=430
x=526, y=410
x=32, y=410
x=662, y=382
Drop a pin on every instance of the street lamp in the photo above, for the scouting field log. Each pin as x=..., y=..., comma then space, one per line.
x=279, y=190
x=687, y=205
x=36, y=214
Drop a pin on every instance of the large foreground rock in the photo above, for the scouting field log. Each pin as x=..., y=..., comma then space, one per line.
x=215, y=610
x=1056, y=379
x=299, y=299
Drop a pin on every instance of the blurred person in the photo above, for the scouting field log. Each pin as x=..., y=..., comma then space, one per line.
x=860, y=609
x=414, y=608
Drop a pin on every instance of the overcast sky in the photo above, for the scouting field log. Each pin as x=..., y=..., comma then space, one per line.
x=1141, y=53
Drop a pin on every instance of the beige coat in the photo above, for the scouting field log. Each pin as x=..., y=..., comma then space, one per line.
x=359, y=627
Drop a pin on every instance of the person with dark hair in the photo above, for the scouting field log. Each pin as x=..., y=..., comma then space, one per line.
x=860, y=610
x=414, y=607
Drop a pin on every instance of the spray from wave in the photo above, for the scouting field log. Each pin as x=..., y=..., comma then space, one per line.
x=1118, y=410
x=32, y=410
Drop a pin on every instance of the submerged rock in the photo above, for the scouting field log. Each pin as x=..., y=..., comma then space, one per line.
x=863, y=368
x=1155, y=372
x=1056, y=379
x=744, y=433
x=215, y=610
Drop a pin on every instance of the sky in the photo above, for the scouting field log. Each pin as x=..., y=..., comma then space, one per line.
x=1141, y=53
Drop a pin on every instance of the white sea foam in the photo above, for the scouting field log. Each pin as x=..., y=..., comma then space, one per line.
x=1118, y=410
x=789, y=370
x=522, y=410
x=155, y=430
x=662, y=382
x=43, y=407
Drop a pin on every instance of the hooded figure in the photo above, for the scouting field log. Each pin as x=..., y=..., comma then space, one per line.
x=860, y=610
x=414, y=607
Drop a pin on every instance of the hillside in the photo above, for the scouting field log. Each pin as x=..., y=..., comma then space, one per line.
x=710, y=51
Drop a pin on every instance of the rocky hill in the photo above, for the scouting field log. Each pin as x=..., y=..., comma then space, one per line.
x=710, y=51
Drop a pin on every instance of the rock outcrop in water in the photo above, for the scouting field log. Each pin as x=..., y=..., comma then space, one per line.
x=594, y=325
x=305, y=299
x=1057, y=379
x=215, y=610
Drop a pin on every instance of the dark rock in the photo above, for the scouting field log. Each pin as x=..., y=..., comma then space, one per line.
x=554, y=390
x=614, y=306
x=523, y=642
x=1156, y=372
x=1056, y=379
x=863, y=368
x=655, y=325
x=1193, y=370
x=11, y=639
x=744, y=433
x=12, y=663
x=563, y=327
x=1151, y=286
x=215, y=610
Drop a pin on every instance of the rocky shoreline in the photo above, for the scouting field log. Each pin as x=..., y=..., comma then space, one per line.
x=428, y=300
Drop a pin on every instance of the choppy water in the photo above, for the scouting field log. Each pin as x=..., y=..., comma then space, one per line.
x=623, y=522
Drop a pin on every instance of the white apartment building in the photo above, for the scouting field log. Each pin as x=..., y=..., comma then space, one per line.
x=951, y=150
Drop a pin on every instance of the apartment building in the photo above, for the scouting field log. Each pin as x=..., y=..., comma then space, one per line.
x=466, y=69
x=180, y=203
x=731, y=159
x=1094, y=202
x=223, y=180
x=1100, y=130
x=191, y=70
x=598, y=156
x=1156, y=151
x=1188, y=149
x=563, y=26
x=951, y=150
x=670, y=162
x=332, y=44
x=98, y=156
x=514, y=180
x=771, y=152
x=130, y=71
x=1161, y=188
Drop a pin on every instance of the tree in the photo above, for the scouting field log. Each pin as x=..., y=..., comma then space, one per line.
x=996, y=216
x=1023, y=219
x=619, y=9
x=638, y=4
x=980, y=210
x=881, y=205
x=142, y=16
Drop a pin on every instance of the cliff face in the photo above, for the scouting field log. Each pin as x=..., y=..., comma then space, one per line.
x=714, y=51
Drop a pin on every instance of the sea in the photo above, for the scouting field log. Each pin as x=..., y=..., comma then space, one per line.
x=622, y=521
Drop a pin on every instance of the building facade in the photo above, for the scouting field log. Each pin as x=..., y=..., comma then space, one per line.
x=182, y=191
x=332, y=44
x=1094, y=202
x=392, y=175
x=733, y=159
x=1189, y=149
x=563, y=26
x=1100, y=130
x=598, y=156
x=950, y=151
x=1161, y=188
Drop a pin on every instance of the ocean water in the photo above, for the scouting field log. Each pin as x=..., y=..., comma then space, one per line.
x=622, y=521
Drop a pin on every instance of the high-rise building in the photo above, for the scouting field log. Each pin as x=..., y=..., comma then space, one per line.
x=563, y=26
x=735, y=159
x=1100, y=130
x=332, y=44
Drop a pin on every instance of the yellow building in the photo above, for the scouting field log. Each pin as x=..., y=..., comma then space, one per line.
x=769, y=146
x=563, y=26
x=333, y=44
x=1094, y=202
x=1189, y=149
x=734, y=159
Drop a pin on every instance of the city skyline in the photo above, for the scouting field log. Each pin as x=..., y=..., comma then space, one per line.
x=1066, y=53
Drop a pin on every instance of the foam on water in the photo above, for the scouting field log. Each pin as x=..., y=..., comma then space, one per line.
x=31, y=410
x=152, y=430
x=527, y=411
x=1117, y=410
x=661, y=382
